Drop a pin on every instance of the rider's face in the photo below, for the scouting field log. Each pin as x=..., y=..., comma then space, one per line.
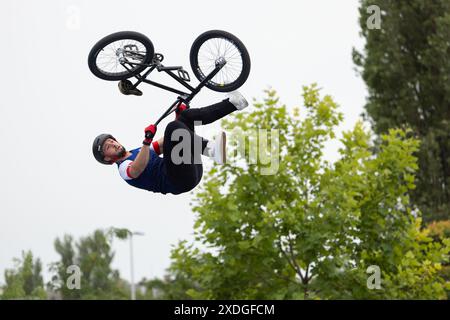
x=113, y=150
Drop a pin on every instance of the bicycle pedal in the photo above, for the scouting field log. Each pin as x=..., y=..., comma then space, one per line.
x=127, y=88
x=162, y=68
x=184, y=75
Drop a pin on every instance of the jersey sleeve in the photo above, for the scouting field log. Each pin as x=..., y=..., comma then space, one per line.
x=124, y=170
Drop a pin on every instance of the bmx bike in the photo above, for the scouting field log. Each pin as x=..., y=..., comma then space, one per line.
x=219, y=60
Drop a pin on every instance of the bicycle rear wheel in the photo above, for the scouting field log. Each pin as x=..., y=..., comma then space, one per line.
x=133, y=48
x=217, y=44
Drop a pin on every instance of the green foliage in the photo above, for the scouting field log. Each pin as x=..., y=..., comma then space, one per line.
x=406, y=66
x=25, y=280
x=311, y=229
x=168, y=288
x=119, y=233
x=439, y=231
x=93, y=255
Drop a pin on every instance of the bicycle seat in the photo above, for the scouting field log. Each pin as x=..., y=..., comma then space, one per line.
x=127, y=88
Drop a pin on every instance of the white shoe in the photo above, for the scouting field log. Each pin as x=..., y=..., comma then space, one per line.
x=237, y=99
x=216, y=148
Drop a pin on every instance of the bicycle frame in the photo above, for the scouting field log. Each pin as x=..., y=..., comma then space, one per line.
x=182, y=96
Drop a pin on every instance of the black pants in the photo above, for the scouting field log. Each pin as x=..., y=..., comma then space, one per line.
x=185, y=176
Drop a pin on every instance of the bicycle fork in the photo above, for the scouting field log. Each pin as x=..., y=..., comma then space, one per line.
x=220, y=63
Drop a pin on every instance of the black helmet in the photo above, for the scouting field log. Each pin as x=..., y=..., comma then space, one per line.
x=97, y=147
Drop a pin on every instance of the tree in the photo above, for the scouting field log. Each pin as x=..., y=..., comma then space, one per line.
x=168, y=288
x=439, y=231
x=406, y=66
x=25, y=280
x=312, y=228
x=93, y=256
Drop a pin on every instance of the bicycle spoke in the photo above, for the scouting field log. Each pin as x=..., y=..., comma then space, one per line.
x=216, y=48
x=108, y=60
x=211, y=50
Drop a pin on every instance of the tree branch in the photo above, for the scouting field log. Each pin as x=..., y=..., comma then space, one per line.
x=290, y=262
x=299, y=271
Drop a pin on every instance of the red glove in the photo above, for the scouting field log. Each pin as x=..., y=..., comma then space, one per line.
x=149, y=134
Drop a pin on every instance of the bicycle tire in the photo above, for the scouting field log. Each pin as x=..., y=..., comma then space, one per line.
x=239, y=46
x=121, y=35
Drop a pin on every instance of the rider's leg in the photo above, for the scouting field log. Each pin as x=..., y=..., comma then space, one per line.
x=180, y=108
x=207, y=114
x=184, y=175
x=235, y=101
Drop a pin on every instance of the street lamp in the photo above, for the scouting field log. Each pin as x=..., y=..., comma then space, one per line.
x=133, y=288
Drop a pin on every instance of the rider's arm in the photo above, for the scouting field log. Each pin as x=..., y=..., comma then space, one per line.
x=140, y=162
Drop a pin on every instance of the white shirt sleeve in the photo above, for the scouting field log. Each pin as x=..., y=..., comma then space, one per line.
x=124, y=170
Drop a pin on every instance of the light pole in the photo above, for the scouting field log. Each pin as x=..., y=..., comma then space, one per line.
x=133, y=288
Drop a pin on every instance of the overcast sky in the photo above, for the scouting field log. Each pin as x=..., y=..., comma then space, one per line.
x=51, y=108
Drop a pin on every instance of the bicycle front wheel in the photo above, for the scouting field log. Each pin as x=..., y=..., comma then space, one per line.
x=213, y=45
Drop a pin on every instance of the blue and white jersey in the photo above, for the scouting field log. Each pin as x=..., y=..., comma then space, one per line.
x=153, y=178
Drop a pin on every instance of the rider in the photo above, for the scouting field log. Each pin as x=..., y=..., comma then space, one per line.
x=143, y=167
